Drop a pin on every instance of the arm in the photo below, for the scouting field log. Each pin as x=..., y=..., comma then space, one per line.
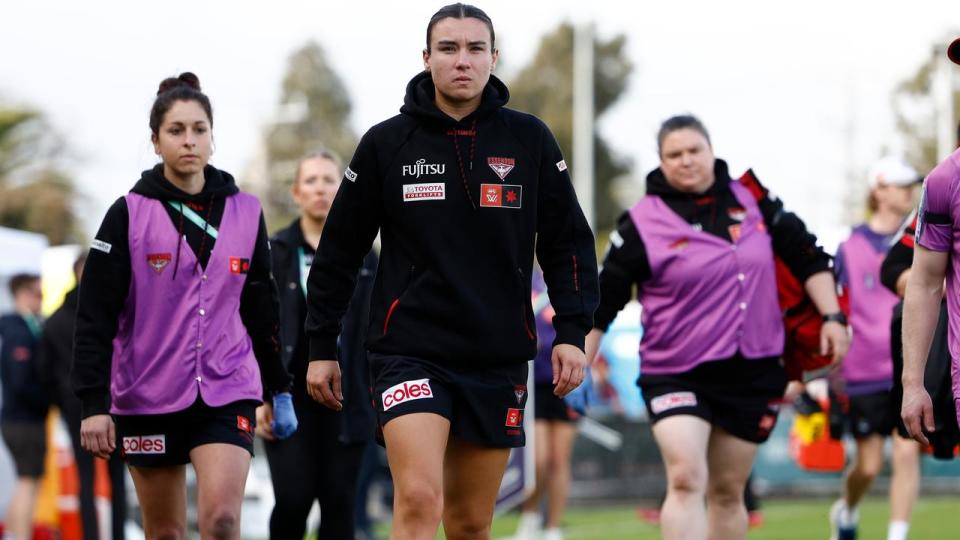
x=352, y=225
x=566, y=252
x=920, y=313
x=103, y=292
x=260, y=313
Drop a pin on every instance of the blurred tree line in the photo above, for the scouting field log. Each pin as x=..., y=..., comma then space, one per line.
x=36, y=194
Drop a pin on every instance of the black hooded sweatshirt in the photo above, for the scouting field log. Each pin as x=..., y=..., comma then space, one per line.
x=106, y=283
x=460, y=207
x=713, y=212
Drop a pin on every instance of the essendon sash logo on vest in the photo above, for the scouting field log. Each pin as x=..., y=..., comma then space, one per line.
x=239, y=265
x=501, y=196
x=158, y=261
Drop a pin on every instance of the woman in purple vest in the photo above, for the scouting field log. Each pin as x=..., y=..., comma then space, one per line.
x=700, y=248
x=868, y=367
x=176, y=326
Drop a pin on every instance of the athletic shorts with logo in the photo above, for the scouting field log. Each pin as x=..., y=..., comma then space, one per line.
x=485, y=406
x=740, y=396
x=874, y=413
x=547, y=406
x=163, y=440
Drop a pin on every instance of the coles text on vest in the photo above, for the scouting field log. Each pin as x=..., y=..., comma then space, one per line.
x=406, y=391
x=422, y=167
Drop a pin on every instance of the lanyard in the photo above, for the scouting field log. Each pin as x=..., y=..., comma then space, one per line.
x=195, y=218
x=32, y=323
x=304, y=269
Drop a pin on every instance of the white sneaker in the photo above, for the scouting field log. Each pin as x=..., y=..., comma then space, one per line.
x=529, y=526
x=553, y=534
x=843, y=521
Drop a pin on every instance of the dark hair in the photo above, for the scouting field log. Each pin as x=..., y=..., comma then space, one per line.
x=320, y=153
x=22, y=281
x=185, y=87
x=675, y=123
x=460, y=11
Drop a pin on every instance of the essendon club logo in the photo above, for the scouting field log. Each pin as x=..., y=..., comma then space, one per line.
x=501, y=196
x=514, y=417
x=158, y=261
x=520, y=391
x=243, y=424
x=145, y=444
x=501, y=165
x=406, y=391
x=736, y=231
x=239, y=265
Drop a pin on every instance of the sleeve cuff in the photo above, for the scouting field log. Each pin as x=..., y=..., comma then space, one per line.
x=323, y=348
x=93, y=404
x=569, y=333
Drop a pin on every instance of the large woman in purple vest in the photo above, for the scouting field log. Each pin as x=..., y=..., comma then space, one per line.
x=700, y=249
x=868, y=367
x=177, y=325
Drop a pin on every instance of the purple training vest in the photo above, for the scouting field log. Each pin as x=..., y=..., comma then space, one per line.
x=180, y=336
x=871, y=309
x=707, y=298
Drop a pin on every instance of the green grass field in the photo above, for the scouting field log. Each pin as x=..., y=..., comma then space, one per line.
x=935, y=518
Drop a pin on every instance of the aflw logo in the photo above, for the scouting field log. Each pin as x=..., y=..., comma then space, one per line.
x=422, y=167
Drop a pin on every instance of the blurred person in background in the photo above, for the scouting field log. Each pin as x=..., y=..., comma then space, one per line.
x=867, y=373
x=23, y=413
x=700, y=248
x=555, y=429
x=321, y=460
x=56, y=356
x=177, y=327
x=463, y=192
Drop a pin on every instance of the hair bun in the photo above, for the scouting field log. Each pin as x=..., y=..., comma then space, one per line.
x=185, y=79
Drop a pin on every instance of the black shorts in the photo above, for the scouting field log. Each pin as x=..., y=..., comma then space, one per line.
x=164, y=440
x=740, y=396
x=484, y=406
x=874, y=413
x=547, y=406
x=27, y=442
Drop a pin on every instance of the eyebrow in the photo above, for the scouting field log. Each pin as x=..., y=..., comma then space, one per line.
x=448, y=42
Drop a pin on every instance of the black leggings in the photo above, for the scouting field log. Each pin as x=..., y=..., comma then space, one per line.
x=312, y=465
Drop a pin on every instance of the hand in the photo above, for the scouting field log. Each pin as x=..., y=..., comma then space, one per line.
x=834, y=341
x=592, y=345
x=568, y=365
x=323, y=383
x=917, y=412
x=265, y=421
x=98, y=435
x=284, y=418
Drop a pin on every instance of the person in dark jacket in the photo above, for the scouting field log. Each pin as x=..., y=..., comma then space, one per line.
x=700, y=249
x=23, y=413
x=462, y=191
x=177, y=333
x=56, y=358
x=321, y=460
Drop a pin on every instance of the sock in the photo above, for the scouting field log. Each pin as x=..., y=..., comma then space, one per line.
x=848, y=516
x=897, y=530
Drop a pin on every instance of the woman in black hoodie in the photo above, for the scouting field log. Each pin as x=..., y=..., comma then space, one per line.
x=462, y=191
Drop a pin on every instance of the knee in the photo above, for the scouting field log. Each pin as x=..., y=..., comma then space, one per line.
x=869, y=467
x=465, y=527
x=727, y=493
x=167, y=530
x=420, y=501
x=221, y=522
x=685, y=479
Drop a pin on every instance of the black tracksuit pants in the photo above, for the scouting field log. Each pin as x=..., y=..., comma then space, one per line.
x=312, y=465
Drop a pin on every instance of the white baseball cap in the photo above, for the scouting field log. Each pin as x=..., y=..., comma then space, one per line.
x=892, y=171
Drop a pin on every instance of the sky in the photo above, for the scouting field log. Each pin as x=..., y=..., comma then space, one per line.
x=801, y=92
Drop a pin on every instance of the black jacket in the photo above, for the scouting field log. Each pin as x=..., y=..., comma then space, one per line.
x=460, y=207
x=357, y=416
x=24, y=395
x=55, y=352
x=715, y=211
x=106, y=283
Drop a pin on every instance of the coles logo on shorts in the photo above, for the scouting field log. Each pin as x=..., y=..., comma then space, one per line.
x=406, y=391
x=672, y=400
x=145, y=444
